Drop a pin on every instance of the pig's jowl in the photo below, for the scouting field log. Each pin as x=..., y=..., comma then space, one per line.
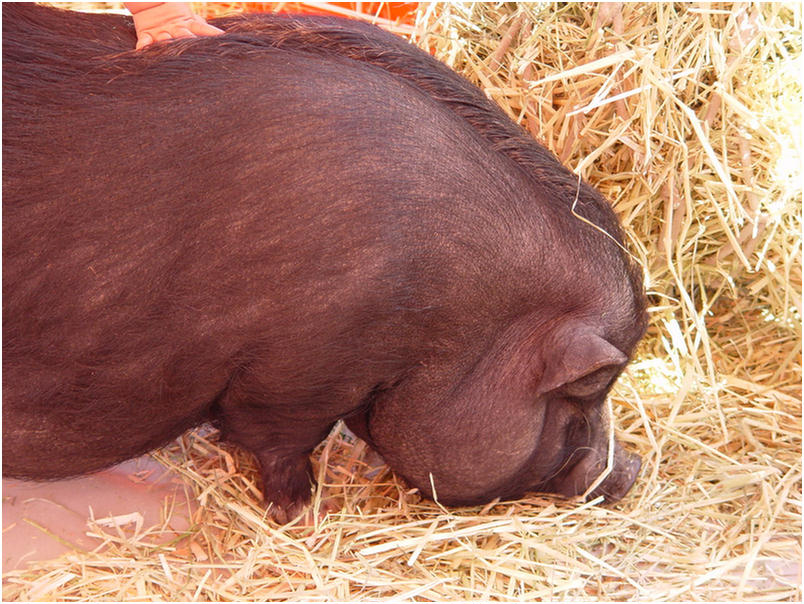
x=301, y=221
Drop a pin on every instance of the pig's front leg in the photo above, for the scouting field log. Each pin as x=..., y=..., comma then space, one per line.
x=287, y=481
x=282, y=445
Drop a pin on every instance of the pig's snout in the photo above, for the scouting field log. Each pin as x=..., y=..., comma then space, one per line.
x=614, y=487
x=622, y=475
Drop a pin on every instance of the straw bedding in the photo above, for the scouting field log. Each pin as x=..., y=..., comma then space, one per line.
x=688, y=118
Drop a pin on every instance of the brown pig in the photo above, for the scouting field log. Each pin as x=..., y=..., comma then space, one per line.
x=300, y=221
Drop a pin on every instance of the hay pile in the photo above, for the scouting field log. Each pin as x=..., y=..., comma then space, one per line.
x=688, y=118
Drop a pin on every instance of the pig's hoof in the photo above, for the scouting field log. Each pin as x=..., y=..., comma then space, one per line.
x=284, y=513
x=302, y=514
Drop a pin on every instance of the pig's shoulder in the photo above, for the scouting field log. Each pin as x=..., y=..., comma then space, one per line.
x=362, y=43
x=330, y=37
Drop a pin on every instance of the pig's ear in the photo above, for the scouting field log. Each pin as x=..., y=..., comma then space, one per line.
x=584, y=366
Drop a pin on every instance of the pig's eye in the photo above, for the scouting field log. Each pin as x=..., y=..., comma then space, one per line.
x=577, y=431
x=591, y=384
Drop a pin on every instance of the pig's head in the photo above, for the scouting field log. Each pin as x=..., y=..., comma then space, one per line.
x=528, y=416
x=533, y=325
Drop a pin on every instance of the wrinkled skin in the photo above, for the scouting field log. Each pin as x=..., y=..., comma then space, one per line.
x=300, y=221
